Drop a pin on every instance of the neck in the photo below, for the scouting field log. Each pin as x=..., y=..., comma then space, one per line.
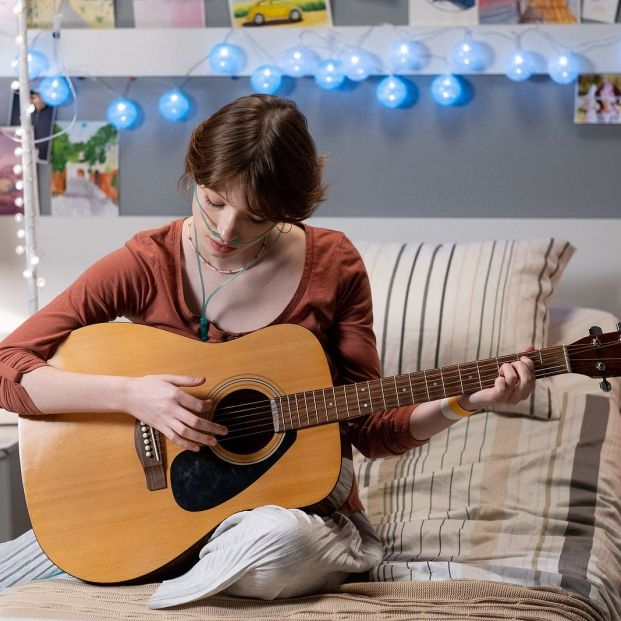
x=334, y=404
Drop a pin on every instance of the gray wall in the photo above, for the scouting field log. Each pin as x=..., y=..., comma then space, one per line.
x=513, y=151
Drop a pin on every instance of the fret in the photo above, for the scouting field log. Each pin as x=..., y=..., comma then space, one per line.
x=336, y=411
x=427, y=386
x=289, y=408
x=297, y=407
x=306, y=406
x=315, y=403
x=394, y=379
x=325, y=404
x=383, y=395
x=411, y=389
x=442, y=380
x=479, y=373
x=357, y=396
x=461, y=383
x=540, y=357
x=346, y=404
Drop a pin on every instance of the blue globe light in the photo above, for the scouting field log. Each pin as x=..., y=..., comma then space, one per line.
x=54, y=91
x=227, y=59
x=564, y=68
x=174, y=105
x=123, y=113
x=299, y=61
x=359, y=64
x=329, y=74
x=266, y=79
x=37, y=64
x=468, y=55
x=446, y=90
x=406, y=55
x=392, y=92
x=520, y=66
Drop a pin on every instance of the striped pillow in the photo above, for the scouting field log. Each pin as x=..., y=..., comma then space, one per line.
x=440, y=304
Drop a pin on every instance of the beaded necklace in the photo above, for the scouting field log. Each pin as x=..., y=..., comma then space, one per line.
x=204, y=324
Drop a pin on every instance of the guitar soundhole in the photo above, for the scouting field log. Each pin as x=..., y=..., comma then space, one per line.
x=248, y=416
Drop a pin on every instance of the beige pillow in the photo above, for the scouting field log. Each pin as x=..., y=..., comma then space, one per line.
x=440, y=304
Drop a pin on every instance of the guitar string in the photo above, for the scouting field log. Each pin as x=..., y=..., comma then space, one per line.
x=486, y=365
x=244, y=411
x=452, y=378
x=241, y=412
x=268, y=426
x=243, y=426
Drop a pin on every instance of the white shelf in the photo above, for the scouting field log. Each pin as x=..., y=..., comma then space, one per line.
x=172, y=52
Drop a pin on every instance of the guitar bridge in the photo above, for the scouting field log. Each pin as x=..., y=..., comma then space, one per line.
x=149, y=449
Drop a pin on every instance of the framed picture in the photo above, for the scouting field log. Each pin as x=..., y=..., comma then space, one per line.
x=287, y=13
x=598, y=99
x=42, y=122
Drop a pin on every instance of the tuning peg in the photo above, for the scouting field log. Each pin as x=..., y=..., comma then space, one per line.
x=605, y=385
x=595, y=330
x=619, y=327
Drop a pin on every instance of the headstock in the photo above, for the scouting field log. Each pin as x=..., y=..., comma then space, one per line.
x=597, y=355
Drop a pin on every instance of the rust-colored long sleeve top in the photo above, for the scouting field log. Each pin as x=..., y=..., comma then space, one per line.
x=142, y=281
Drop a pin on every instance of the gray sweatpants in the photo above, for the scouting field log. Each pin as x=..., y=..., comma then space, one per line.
x=266, y=553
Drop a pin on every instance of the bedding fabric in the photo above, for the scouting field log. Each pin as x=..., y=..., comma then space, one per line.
x=511, y=499
x=428, y=601
x=441, y=304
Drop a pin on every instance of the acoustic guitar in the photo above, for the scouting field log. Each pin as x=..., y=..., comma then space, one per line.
x=112, y=500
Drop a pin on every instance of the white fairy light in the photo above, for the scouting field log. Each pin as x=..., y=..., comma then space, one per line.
x=27, y=274
x=34, y=261
x=20, y=249
x=21, y=234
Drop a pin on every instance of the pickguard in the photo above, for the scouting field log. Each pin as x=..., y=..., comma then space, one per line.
x=203, y=480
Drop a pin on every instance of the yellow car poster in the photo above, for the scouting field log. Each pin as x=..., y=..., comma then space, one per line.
x=296, y=13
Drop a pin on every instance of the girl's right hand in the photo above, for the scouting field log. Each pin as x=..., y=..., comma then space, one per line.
x=161, y=402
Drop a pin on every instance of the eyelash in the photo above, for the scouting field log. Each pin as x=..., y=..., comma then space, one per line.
x=220, y=206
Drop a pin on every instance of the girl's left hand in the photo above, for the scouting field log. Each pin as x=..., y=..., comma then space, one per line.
x=515, y=382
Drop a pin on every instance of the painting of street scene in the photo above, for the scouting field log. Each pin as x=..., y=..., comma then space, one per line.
x=75, y=13
x=85, y=170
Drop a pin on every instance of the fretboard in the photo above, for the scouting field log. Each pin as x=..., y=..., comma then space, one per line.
x=340, y=403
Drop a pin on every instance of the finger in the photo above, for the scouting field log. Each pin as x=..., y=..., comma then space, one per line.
x=182, y=380
x=181, y=441
x=191, y=403
x=508, y=372
x=193, y=435
x=202, y=424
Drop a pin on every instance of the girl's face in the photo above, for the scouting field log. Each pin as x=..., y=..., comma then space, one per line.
x=224, y=224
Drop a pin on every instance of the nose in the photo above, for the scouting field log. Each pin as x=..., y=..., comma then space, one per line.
x=228, y=225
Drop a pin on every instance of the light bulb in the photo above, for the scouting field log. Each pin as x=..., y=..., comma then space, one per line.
x=391, y=92
x=468, y=55
x=19, y=185
x=298, y=61
x=564, y=68
x=406, y=55
x=34, y=260
x=19, y=217
x=54, y=91
x=41, y=282
x=19, y=202
x=266, y=79
x=227, y=59
x=27, y=273
x=520, y=66
x=20, y=249
x=446, y=90
x=123, y=113
x=20, y=234
x=174, y=105
x=359, y=64
x=329, y=74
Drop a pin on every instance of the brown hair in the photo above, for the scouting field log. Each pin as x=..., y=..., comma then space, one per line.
x=261, y=144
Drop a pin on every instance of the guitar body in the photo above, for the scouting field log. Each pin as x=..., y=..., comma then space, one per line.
x=86, y=490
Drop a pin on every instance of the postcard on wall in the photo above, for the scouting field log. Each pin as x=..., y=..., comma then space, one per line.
x=598, y=99
x=300, y=13
x=42, y=122
x=8, y=178
x=443, y=12
x=529, y=12
x=600, y=10
x=75, y=13
x=85, y=170
x=169, y=13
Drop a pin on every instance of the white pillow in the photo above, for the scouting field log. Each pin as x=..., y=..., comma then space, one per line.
x=440, y=304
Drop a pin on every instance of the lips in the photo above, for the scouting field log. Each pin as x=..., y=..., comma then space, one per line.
x=220, y=247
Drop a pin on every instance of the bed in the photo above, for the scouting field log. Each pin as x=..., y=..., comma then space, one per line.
x=509, y=514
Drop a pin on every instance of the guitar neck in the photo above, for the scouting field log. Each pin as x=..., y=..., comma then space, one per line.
x=340, y=403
